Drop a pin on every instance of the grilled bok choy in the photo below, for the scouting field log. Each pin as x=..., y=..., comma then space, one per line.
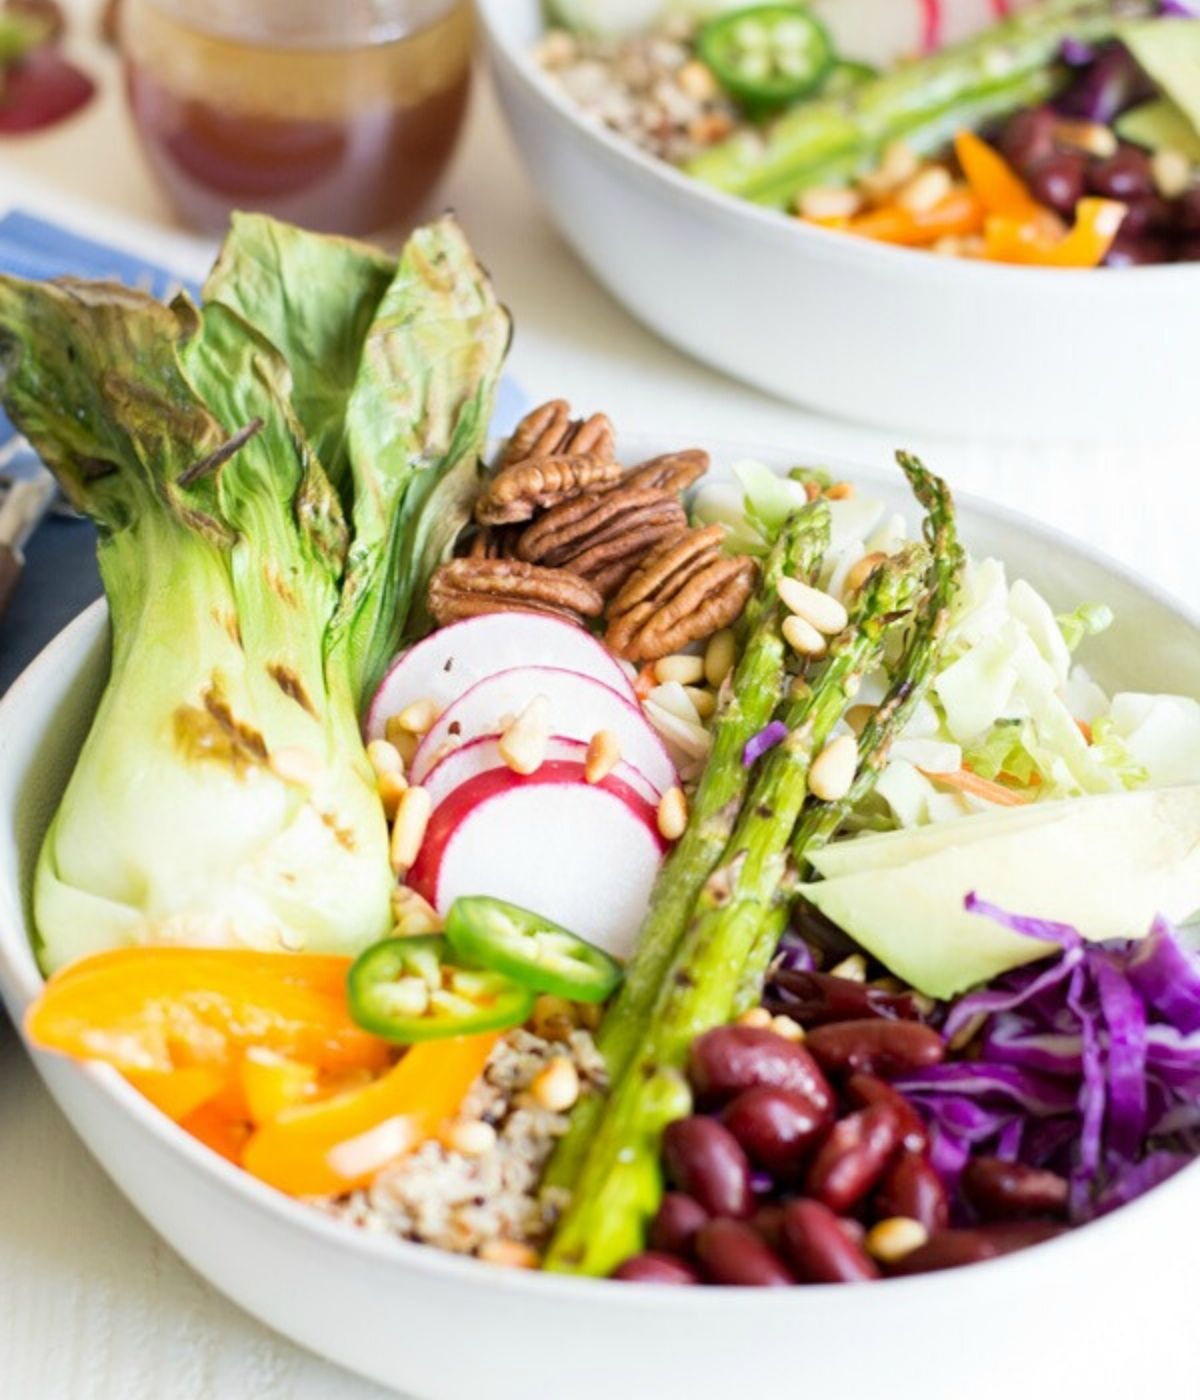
x=223, y=795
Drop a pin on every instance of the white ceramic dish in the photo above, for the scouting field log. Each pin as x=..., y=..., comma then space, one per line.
x=854, y=328
x=1102, y=1311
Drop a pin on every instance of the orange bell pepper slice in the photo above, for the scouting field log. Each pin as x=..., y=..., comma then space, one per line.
x=270, y=1083
x=218, y=1131
x=159, y=1009
x=338, y=1144
x=1086, y=244
x=958, y=214
x=996, y=185
x=179, y=1092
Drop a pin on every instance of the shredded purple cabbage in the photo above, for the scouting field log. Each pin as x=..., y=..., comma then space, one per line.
x=1076, y=53
x=1179, y=9
x=766, y=739
x=1088, y=1065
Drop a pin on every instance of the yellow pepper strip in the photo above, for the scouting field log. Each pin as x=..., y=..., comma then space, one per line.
x=179, y=1092
x=995, y=183
x=160, y=1009
x=338, y=1144
x=270, y=1083
x=958, y=214
x=1086, y=244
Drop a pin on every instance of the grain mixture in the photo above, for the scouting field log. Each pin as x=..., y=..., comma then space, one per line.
x=462, y=1202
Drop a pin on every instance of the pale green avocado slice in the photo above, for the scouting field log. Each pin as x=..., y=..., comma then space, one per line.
x=1169, y=51
x=1105, y=865
x=1160, y=126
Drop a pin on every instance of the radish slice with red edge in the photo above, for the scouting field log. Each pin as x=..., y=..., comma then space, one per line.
x=482, y=755
x=448, y=662
x=579, y=706
x=584, y=855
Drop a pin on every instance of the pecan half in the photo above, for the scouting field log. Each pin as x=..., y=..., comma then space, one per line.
x=516, y=492
x=468, y=587
x=549, y=432
x=605, y=537
x=687, y=589
x=494, y=542
x=674, y=471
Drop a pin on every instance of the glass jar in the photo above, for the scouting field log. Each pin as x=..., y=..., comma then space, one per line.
x=340, y=115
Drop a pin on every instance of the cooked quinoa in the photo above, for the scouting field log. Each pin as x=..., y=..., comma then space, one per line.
x=461, y=1202
x=650, y=89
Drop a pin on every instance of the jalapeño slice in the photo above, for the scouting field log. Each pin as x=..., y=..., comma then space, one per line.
x=767, y=55
x=407, y=990
x=530, y=949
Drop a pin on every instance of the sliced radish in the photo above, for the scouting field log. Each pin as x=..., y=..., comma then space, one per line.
x=450, y=661
x=482, y=755
x=579, y=707
x=582, y=854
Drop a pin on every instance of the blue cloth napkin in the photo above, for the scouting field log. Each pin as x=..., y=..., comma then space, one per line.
x=60, y=577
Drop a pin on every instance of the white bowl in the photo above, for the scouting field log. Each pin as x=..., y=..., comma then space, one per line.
x=1103, y=1310
x=854, y=328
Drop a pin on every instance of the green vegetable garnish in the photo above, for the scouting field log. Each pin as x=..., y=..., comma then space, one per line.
x=491, y=933
x=768, y=55
x=407, y=990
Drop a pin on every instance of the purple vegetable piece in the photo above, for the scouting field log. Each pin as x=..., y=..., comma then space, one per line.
x=1167, y=975
x=766, y=739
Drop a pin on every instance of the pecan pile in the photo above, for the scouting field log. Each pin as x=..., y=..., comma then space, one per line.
x=564, y=529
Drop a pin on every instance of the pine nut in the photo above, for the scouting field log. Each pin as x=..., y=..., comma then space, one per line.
x=603, y=755
x=841, y=491
x=508, y=1254
x=523, y=744
x=833, y=769
x=719, y=656
x=556, y=1087
x=685, y=670
x=419, y=717
x=553, y=1018
x=411, y=914
x=787, y=1028
x=298, y=766
x=392, y=787
x=470, y=1137
x=1172, y=173
x=1093, y=138
x=858, y=717
x=819, y=610
x=412, y=820
x=697, y=80
x=859, y=573
x=385, y=757
x=403, y=740
x=892, y=1239
x=899, y=164
x=852, y=969
x=823, y=202
x=757, y=1017
x=704, y=700
x=926, y=190
x=802, y=637
x=672, y=814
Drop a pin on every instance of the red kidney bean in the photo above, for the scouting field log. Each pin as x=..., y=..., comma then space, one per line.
x=948, y=1249
x=1059, y=180
x=1125, y=175
x=768, y=1221
x=731, y=1252
x=878, y=1047
x=865, y=1089
x=675, y=1225
x=853, y=1157
x=1187, y=210
x=912, y=1188
x=854, y=1230
x=1010, y=1190
x=816, y=998
x=819, y=1248
x=776, y=1128
x=724, y=1061
x=706, y=1161
x=652, y=1267
x=1188, y=248
x=1150, y=214
x=1146, y=250
x=1028, y=138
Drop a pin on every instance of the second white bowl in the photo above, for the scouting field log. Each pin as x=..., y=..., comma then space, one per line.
x=858, y=329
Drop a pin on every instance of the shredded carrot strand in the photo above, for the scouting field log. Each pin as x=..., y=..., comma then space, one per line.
x=966, y=781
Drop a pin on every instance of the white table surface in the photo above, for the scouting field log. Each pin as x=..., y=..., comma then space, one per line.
x=93, y=1306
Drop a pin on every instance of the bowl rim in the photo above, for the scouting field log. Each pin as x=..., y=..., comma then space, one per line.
x=818, y=241
x=19, y=971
